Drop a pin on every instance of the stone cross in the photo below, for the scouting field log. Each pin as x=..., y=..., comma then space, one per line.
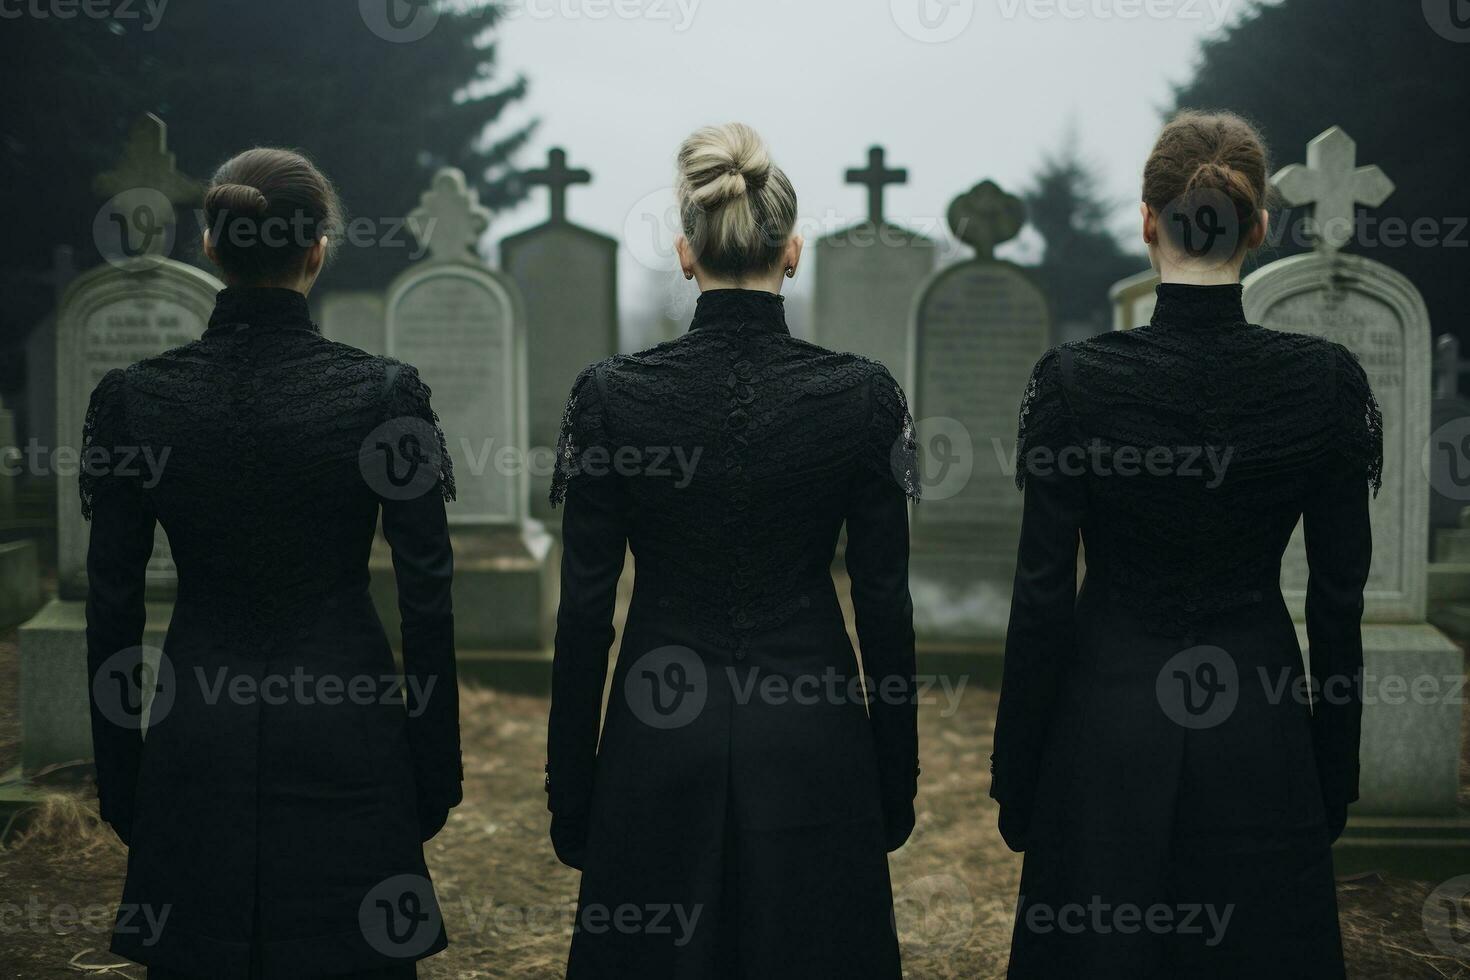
x=147, y=163
x=556, y=177
x=1334, y=184
x=877, y=177
x=986, y=216
x=142, y=190
x=449, y=219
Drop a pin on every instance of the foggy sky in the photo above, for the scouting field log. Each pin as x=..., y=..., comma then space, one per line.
x=824, y=79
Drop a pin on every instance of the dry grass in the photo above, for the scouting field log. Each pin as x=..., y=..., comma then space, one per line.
x=508, y=903
x=67, y=827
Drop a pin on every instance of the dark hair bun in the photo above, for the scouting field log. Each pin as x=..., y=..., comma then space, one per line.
x=1201, y=156
x=1225, y=180
x=266, y=209
x=238, y=199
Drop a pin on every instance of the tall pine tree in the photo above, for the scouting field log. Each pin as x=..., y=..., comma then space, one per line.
x=1082, y=258
x=377, y=116
x=1380, y=71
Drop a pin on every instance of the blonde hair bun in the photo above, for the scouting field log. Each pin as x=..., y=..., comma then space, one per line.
x=738, y=207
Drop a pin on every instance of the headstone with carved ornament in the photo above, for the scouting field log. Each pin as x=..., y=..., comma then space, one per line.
x=980, y=326
x=462, y=324
x=140, y=302
x=1410, y=744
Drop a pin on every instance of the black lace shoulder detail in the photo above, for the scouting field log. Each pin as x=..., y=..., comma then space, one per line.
x=1361, y=417
x=582, y=427
x=408, y=397
x=104, y=432
x=893, y=448
x=1045, y=420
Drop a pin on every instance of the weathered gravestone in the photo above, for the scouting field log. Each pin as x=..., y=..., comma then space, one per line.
x=980, y=326
x=355, y=318
x=1133, y=299
x=1411, y=734
x=139, y=303
x=461, y=324
x=568, y=278
x=867, y=277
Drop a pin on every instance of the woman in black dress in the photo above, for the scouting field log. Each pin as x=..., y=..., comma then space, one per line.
x=276, y=810
x=1175, y=794
x=735, y=818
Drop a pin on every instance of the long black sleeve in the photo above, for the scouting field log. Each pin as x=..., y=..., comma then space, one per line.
x=1339, y=542
x=417, y=530
x=120, y=545
x=877, y=561
x=1041, y=633
x=594, y=543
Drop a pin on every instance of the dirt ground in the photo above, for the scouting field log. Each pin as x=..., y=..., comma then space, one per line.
x=508, y=903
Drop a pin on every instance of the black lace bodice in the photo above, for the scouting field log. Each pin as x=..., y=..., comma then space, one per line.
x=275, y=455
x=1198, y=437
x=741, y=444
x=261, y=428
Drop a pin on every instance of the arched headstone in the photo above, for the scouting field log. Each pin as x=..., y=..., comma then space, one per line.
x=462, y=325
x=979, y=326
x=1410, y=745
x=140, y=303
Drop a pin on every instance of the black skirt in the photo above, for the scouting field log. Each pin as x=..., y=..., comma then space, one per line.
x=1162, y=851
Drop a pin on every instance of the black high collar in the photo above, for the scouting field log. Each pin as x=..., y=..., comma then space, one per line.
x=1183, y=305
x=729, y=309
x=261, y=308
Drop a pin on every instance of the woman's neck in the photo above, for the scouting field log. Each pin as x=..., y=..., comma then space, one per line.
x=1227, y=274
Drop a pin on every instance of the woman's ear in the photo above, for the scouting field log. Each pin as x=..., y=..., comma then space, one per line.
x=209, y=251
x=791, y=257
x=1258, y=233
x=1150, y=224
x=686, y=256
x=316, y=257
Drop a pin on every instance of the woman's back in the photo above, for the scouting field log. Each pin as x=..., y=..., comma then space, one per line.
x=739, y=449
x=1161, y=743
x=742, y=765
x=1201, y=439
x=270, y=443
x=290, y=772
